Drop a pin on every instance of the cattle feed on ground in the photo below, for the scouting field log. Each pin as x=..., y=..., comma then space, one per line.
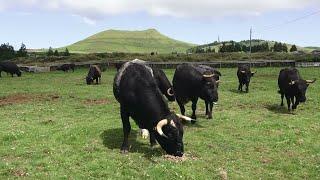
x=191, y=82
x=10, y=68
x=244, y=74
x=293, y=87
x=140, y=98
x=94, y=74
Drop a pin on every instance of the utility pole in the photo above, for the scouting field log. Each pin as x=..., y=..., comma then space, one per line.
x=250, y=44
x=218, y=39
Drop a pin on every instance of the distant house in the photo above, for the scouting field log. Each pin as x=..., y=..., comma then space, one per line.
x=298, y=52
x=316, y=52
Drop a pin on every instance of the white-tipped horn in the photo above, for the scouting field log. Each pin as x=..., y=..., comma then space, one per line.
x=170, y=92
x=243, y=72
x=208, y=75
x=311, y=81
x=160, y=125
x=185, y=118
x=218, y=81
x=173, y=124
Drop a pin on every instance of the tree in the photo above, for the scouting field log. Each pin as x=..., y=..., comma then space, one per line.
x=6, y=52
x=66, y=52
x=22, y=51
x=50, y=52
x=56, y=53
x=293, y=48
x=284, y=48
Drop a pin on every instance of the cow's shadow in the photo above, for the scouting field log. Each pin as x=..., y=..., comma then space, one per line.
x=237, y=91
x=276, y=108
x=112, y=139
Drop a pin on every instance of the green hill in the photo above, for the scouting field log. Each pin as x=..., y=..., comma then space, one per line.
x=129, y=42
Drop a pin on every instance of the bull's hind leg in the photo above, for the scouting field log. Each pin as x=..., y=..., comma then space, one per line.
x=194, y=108
x=247, y=87
x=126, y=130
x=282, y=96
x=207, y=108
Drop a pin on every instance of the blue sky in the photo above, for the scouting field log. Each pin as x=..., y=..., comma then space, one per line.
x=56, y=23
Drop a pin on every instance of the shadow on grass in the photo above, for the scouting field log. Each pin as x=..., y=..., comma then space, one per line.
x=237, y=92
x=112, y=139
x=277, y=109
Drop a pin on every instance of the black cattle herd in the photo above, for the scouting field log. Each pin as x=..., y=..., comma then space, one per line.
x=140, y=90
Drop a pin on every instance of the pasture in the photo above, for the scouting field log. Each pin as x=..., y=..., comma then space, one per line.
x=52, y=125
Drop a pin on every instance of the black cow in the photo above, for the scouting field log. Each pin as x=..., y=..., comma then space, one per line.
x=140, y=98
x=66, y=67
x=93, y=74
x=191, y=82
x=244, y=76
x=10, y=67
x=293, y=87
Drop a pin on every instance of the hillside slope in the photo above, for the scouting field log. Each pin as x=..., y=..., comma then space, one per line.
x=129, y=42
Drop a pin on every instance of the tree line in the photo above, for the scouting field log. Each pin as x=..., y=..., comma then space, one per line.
x=232, y=46
x=7, y=52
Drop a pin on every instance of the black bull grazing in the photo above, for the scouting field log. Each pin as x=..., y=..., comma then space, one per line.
x=293, y=87
x=93, y=74
x=244, y=76
x=140, y=98
x=191, y=82
x=10, y=67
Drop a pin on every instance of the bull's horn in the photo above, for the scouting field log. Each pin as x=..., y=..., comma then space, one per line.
x=292, y=83
x=243, y=72
x=173, y=124
x=218, y=81
x=311, y=81
x=160, y=125
x=208, y=75
x=185, y=118
x=169, y=92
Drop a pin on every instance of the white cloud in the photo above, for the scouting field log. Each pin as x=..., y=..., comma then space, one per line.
x=89, y=21
x=93, y=10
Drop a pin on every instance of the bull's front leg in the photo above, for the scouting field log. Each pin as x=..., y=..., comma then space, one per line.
x=240, y=86
x=194, y=108
x=295, y=103
x=247, y=87
x=126, y=130
x=153, y=141
x=288, y=102
x=207, y=108
x=210, y=110
x=282, y=96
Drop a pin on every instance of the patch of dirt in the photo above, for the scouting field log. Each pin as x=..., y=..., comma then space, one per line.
x=223, y=174
x=18, y=172
x=24, y=98
x=95, y=101
x=266, y=160
x=177, y=159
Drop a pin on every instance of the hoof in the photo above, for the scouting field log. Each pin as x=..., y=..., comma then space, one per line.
x=124, y=151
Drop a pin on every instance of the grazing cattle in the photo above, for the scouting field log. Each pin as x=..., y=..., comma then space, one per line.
x=293, y=87
x=191, y=82
x=137, y=92
x=244, y=76
x=66, y=67
x=93, y=74
x=10, y=67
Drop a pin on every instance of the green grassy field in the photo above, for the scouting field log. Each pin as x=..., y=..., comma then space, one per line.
x=129, y=42
x=54, y=126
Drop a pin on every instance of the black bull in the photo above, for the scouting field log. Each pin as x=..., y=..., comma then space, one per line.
x=138, y=94
x=293, y=87
x=191, y=82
